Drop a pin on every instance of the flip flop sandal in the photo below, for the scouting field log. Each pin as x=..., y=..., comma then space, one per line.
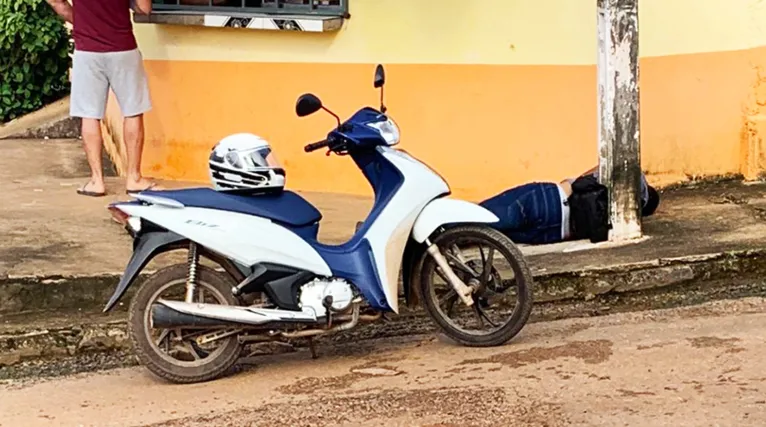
x=134, y=192
x=81, y=191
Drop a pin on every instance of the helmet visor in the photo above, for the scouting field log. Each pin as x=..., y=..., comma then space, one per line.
x=260, y=157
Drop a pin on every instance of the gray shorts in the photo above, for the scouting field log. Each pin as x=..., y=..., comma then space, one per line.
x=93, y=73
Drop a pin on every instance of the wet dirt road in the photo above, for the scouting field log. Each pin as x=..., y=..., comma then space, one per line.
x=698, y=366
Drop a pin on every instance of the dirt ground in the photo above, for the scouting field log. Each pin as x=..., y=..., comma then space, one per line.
x=696, y=366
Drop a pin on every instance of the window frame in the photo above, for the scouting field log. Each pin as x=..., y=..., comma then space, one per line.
x=340, y=11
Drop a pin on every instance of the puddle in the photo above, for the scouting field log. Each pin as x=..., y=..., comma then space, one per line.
x=591, y=352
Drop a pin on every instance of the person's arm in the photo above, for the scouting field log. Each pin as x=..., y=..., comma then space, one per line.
x=591, y=171
x=143, y=7
x=569, y=181
x=62, y=9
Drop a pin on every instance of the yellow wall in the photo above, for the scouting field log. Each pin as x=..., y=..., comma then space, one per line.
x=491, y=93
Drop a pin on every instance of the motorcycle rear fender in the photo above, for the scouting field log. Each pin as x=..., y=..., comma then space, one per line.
x=146, y=246
x=444, y=211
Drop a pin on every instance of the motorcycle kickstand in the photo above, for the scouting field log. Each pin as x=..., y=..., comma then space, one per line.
x=312, y=348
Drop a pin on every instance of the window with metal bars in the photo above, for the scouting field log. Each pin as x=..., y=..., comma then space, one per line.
x=271, y=7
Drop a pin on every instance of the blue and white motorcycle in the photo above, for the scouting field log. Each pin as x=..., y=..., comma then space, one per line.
x=274, y=281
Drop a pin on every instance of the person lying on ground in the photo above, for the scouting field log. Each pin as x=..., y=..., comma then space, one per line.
x=539, y=212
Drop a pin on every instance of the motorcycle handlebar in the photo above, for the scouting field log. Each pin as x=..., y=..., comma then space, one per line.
x=316, y=145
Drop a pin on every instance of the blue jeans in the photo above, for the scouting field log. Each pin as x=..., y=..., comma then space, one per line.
x=529, y=213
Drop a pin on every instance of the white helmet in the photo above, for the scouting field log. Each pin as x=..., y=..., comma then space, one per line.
x=244, y=162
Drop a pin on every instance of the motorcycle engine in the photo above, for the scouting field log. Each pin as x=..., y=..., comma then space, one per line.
x=313, y=294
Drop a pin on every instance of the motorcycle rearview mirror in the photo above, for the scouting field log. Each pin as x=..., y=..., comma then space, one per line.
x=379, y=82
x=307, y=104
x=380, y=76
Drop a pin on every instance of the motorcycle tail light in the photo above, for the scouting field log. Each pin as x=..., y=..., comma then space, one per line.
x=118, y=215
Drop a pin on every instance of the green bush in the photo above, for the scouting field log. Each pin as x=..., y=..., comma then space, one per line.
x=34, y=57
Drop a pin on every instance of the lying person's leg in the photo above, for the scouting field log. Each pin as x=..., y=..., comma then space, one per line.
x=530, y=213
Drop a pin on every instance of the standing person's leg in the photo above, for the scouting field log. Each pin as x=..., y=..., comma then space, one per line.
x=92, y=142
x=128, y=81
x=133, y=129
x=90, y=88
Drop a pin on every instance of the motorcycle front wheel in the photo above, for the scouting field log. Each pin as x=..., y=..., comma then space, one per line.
x=491, y=263
x=175, y=354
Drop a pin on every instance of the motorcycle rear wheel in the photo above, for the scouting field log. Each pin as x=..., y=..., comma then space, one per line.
x=204, y=366
x=470, y=265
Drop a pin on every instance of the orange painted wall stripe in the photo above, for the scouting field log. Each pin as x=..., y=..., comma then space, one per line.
x=484, y=127
x=693, y=110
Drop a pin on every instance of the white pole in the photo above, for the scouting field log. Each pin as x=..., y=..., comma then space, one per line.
x=618, y=103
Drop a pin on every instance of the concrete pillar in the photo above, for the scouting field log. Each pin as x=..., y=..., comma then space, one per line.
x=618, y=103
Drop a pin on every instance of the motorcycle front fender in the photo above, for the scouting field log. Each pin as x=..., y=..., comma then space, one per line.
x=444, y=211
x=146, y=246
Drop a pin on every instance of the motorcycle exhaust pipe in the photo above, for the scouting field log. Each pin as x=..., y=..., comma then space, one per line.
x=166, y=318
x=177, y=314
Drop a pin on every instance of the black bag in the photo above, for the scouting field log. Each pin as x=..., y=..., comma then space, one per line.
x=589, y=209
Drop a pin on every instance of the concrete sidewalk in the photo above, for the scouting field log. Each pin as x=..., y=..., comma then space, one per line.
x=52, y=235
x=61, y=255
x=49, y=230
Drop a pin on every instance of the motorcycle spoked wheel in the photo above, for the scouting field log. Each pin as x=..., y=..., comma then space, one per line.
x=440, y=300
x=172, y=354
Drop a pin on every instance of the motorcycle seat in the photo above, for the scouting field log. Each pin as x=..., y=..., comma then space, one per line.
x=285, y=207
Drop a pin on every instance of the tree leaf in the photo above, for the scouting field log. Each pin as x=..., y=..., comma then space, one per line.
x=35, y=48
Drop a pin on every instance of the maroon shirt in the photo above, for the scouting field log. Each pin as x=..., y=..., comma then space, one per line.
x=103, y=26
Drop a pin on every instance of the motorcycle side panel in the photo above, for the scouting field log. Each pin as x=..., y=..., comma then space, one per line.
x=391, y=229
x=449, y=211
x=246, y=239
